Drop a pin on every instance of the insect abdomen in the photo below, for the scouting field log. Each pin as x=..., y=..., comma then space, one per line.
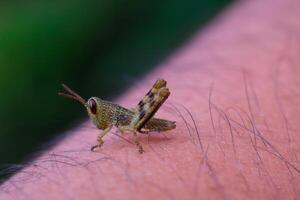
x=156, y=124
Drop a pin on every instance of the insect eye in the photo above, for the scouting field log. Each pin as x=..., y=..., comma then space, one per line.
x=93, y=106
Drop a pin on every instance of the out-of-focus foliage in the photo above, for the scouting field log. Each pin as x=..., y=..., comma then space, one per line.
x=95, y=46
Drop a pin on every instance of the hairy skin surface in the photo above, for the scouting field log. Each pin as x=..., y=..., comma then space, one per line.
x=235, y=97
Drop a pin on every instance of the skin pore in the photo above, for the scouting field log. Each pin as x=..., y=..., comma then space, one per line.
x=235, y=97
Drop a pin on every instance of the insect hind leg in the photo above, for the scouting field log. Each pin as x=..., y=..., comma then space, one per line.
x=149, y=105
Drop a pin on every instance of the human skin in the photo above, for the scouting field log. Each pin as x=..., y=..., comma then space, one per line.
x=235, y=97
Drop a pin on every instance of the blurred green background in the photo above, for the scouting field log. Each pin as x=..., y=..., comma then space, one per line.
x=96, y=47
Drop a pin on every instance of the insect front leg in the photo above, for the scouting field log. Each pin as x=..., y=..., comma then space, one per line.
x=99, y=138
x=122, y=129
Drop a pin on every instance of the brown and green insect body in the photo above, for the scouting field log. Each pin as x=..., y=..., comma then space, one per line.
x=105, y=114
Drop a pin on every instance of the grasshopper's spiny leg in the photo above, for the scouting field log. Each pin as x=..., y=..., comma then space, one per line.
x=149, y=105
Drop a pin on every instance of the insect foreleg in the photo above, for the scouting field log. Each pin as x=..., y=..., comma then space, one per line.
x=99, y=138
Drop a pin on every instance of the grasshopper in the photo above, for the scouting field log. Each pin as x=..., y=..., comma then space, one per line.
x=105, y=114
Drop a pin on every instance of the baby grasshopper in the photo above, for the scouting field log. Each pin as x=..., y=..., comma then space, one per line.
x=105, y=114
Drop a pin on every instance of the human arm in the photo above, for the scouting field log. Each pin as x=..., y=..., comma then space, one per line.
x=239, y=79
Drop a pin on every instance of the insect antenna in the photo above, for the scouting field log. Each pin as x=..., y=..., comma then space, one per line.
x=72, y=95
